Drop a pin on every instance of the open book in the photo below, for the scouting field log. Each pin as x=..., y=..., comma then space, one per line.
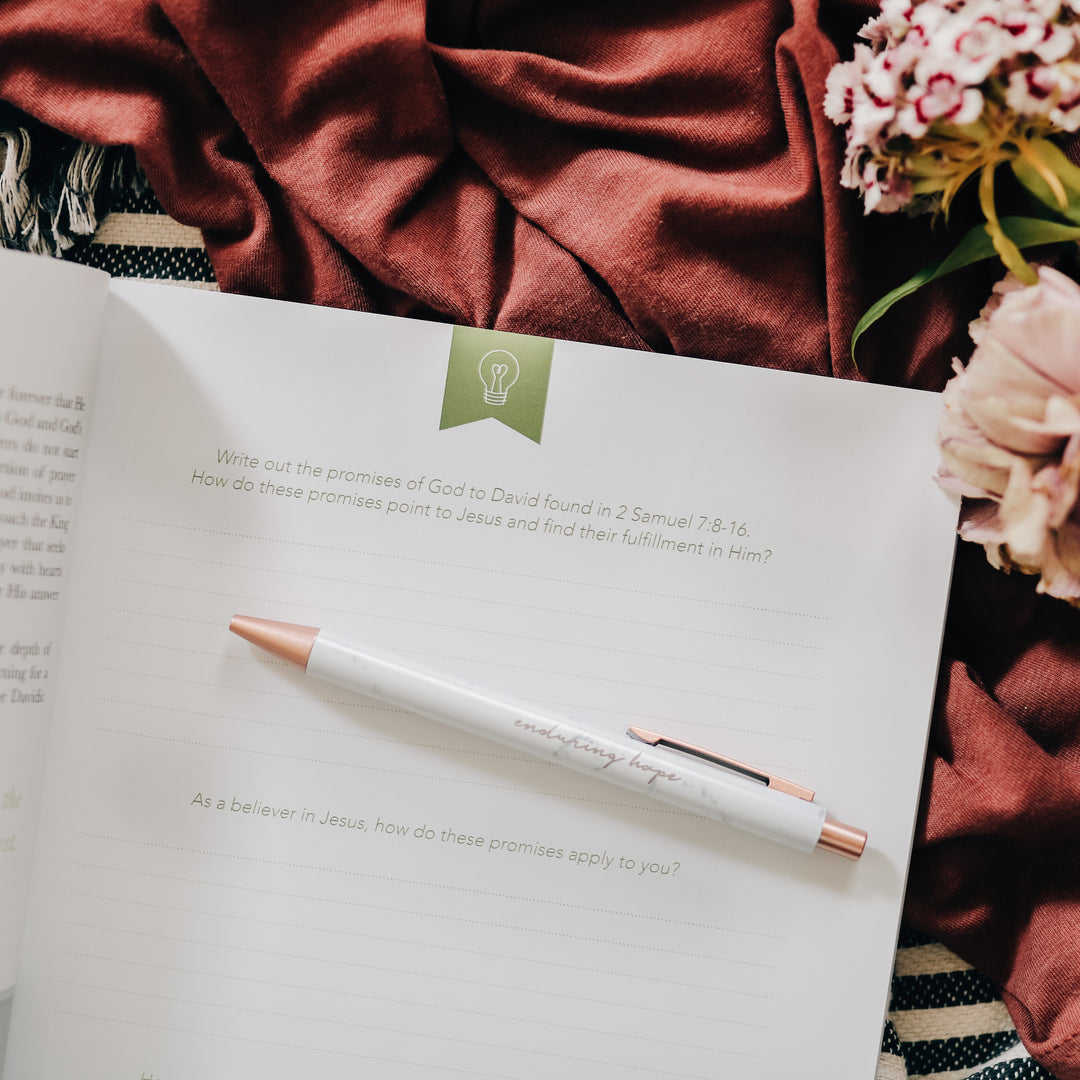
x=215, y=867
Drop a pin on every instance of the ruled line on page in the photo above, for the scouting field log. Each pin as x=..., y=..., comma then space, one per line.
x=424, y=976
x=580, y=971
x=652, y=1040
x=709, y=694
x=652, y=1070
x=461, y=627
x=486, y=923
x=340, y=871
x=379, y=554
x=489, y=601
x=338, y=991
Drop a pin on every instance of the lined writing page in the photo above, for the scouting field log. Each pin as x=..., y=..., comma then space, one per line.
x=250, y=873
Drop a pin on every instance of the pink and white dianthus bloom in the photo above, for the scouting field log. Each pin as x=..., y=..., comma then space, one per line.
x=947, y=87
x=1010, y=432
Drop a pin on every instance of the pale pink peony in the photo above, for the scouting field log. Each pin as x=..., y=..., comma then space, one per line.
x=1010, y=432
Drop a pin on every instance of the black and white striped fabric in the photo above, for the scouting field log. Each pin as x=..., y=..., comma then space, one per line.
x=945, y=1022
x=138, y=240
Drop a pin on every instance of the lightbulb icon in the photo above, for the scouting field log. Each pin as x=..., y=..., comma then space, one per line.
x=499, y=370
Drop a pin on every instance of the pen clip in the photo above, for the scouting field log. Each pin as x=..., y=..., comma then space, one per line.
x=776, y=783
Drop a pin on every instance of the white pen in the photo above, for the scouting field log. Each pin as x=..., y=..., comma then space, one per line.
x=693, y=779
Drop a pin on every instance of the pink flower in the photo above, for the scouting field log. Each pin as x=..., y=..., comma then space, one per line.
x=884, y=193
x=941, y=86
x=1010, y=433
x=975, y=45
x=942, y=98
x=1053, y=90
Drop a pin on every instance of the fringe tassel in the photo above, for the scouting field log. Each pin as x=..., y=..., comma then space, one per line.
x=15, y=200
x=74, y=214
x=52, y=199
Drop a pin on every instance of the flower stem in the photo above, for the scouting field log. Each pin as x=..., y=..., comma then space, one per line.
x=1053, y=182
x=1006, y=249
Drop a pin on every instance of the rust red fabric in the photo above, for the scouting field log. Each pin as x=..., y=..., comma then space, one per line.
x=659, y=176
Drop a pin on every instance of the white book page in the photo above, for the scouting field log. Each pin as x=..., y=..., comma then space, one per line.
x=245, y=872
x=48, y=361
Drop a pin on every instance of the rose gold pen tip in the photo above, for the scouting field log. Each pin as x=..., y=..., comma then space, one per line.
x=288, y=641
x=842, y=839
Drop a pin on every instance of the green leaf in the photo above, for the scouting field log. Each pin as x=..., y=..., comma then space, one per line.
x=974, y=247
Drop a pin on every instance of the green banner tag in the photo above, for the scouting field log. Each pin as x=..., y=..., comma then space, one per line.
x=498, y=375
